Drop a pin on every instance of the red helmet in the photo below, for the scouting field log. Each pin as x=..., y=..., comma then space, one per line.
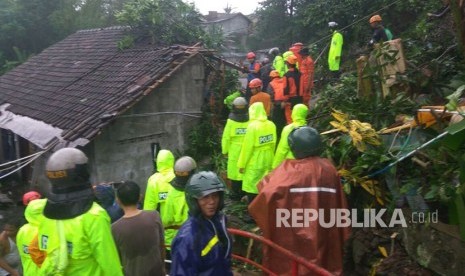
x=250, y=55
x=255, y=83
x=30, y=196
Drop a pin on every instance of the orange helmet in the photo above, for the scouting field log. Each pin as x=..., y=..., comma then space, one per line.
x=274, y=74
x=375, y=18
x=250, y=55
x=291, y=59
x=255, y=83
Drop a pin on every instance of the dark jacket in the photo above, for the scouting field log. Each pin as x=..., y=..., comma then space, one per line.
x=202, y=247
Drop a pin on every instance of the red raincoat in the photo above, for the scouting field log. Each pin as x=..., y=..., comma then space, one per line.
x=310, y=183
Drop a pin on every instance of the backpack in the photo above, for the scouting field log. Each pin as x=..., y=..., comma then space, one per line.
x=388, y=34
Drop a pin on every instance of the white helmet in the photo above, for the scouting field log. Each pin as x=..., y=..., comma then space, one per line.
x=332, y=24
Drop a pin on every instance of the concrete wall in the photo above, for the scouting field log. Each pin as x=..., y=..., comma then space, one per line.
x=238, y=24
x=123, y=150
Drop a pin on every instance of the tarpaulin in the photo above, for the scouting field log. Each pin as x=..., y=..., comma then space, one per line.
x=298, y=185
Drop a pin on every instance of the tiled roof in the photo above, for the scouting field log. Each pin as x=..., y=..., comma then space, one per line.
x=79, y=83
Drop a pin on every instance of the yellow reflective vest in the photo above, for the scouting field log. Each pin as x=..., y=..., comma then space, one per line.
x=258, y=147
x=299, y=118
x=231, y=144
x=79, y=246
x=27, y=233
x=174, y=214
x=158, y=185
x=335, y=50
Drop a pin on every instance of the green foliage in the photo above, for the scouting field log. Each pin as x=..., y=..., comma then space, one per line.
x=126, y=42
x=163, y=21
x=204, y=141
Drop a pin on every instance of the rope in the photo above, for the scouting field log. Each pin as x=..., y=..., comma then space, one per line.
x=383, y=170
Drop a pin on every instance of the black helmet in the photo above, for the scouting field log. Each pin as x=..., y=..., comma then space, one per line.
x=274, y=51
x=67, y=171
x=184, y=168
x=202, y=184
x=304, y=142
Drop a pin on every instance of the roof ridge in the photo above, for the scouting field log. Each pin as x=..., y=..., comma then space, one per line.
x=103, y=29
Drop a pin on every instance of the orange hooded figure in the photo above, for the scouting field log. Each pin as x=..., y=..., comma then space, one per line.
x=307, y=183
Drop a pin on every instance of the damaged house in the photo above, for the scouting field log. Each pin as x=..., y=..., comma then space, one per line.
x=119, y=106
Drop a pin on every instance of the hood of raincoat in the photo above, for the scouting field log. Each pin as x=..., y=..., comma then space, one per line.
x=33, y=212
x=257, y=112
x=165, y=161
x=299, y=114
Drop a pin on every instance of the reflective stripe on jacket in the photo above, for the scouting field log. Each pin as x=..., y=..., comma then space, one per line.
x=88, y=242
x=202, y=247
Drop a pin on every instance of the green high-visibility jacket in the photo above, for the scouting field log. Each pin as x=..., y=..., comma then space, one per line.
x=231, y=144
x=158, y=185
x=299, y=116
x=335, y=50
x=230, y=98
x=278, y=65
x=27, y=233
x=174, y=214
x=285, y=55
x=258, y=148
x=82, y=245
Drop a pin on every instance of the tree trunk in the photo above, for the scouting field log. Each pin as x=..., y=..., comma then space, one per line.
x=456, y=7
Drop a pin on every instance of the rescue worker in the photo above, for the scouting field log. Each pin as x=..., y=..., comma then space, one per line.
x=28, y=232
x=231, y=143
x=265, y=70
x=158, y=185
x=74, y=230
x=203, y=245
x=299, y=118
x=175, y=211
x=307, y=183
x=253, y=72
x=292, y=89
x=306, y=70
x=278, y=61
x=256, y=86
x=285, y=56
x=380, y=33
x=228, y=101
x=257, y=149
x=276, y=91
x=295, y=49
x=335, y=49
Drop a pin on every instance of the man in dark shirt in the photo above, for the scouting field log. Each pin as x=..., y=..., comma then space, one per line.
x=138, y=235
x=379, y=33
